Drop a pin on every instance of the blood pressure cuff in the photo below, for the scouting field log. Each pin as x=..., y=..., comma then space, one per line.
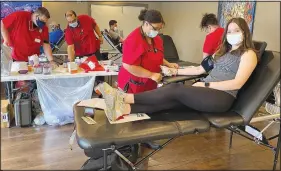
x=208, y=63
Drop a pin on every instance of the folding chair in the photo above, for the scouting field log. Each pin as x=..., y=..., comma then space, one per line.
x=117, y=48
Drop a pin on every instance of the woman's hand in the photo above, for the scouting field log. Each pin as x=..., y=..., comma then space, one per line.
x=54, y=65
x=199, y=84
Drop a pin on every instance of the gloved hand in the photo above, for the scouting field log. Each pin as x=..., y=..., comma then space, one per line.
x=168, y=71
x=173, y=65
x=54, y=65
x=157, y=77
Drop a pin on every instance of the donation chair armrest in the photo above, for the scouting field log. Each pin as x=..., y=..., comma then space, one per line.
x=181, y=78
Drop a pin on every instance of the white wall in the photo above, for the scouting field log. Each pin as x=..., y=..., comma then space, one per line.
x=267, y=24
x=183, y=19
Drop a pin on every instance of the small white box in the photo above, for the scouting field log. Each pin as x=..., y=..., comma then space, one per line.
x=72, y=66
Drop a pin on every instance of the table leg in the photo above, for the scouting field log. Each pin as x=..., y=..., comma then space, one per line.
x=9, y=91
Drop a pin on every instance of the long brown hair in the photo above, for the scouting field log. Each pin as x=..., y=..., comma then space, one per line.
x=246, y=44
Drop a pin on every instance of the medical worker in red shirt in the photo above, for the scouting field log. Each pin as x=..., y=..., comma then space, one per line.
x=143, y=55
x=209, y=23
x=80, y=36
x=25, y=32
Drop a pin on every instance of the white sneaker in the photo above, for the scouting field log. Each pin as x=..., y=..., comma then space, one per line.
x=114, y=100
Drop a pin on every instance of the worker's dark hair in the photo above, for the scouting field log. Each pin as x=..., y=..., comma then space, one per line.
x=208, y=19
x=43, y=11
x=73, y=12
x=112, y=22
x=151, y=16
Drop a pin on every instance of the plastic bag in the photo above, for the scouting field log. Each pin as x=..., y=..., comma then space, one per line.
x=276, y=92
x=6, y=60
x=39, y=120
x=58, y=95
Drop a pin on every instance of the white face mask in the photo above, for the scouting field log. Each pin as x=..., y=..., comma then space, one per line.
x=115, y=29
x=152, y=33
x=74, y=24
x=234, y=39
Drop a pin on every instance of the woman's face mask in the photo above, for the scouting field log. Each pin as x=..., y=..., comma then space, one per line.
x=234, y=38
x=74, y=24
x=153, y=32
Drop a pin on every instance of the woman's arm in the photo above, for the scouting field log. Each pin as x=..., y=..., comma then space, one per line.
x=191, y=71
x=247, y=65
x=137, y=71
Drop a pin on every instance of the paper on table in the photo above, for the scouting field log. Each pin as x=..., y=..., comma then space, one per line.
x=100, y=103
x=131, y=118
x=94, y=103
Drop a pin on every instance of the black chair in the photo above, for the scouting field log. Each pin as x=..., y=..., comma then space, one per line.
x=171, y=53
x=105, y=138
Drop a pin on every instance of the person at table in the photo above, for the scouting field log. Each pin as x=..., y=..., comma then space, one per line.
x=25, y=32
x=209, y=23
x=143, y=55
x=80, y=36
x=114, y=32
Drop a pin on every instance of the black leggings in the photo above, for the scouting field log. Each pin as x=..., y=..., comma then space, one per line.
x=175, y=95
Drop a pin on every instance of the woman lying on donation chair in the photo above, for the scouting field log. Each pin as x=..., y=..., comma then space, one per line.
x=229, y=69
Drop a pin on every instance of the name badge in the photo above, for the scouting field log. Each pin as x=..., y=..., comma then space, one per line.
x=37, y=40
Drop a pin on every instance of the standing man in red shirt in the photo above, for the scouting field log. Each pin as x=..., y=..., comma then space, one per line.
x=80, y=36
x=25, y=32
x=209, y=23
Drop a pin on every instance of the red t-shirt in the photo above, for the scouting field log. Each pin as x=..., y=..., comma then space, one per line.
x=83, y=36
x=26, y=39
x=212, y=41
x=136, y=51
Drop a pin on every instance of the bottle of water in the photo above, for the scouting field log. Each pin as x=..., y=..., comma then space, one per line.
x=77, y=61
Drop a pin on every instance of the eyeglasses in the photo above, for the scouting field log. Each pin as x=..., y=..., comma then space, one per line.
x=156, y=29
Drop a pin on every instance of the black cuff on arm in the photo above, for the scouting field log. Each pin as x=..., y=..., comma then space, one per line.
x=208, y=63
x=46, y=41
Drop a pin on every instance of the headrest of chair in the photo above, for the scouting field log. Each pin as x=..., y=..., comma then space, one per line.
x=106, y=30
x=260, y=46
x=259, y=86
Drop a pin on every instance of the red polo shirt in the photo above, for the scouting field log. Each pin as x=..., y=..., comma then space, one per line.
x=137, y=52
x=83, y=36
x=25, y=38
x=212, y=41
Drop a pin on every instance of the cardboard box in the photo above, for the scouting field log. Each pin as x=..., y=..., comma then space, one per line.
x=7, y=114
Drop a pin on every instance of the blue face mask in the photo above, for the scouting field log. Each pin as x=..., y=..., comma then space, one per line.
x=152, y=33
x=40, y=23
x=74, y=24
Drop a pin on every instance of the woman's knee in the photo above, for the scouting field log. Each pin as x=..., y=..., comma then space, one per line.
x=174, y=86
